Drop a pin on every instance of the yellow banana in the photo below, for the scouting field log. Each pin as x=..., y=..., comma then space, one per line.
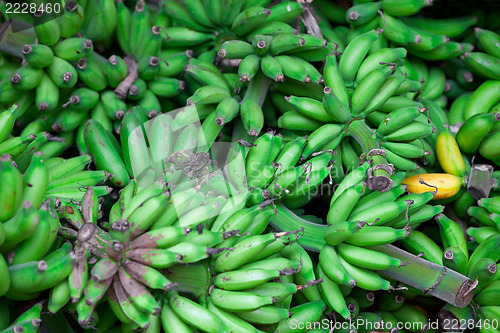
x=445, y=185
x=449, y=155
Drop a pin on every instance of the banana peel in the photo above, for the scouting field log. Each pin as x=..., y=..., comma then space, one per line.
x=445, y=185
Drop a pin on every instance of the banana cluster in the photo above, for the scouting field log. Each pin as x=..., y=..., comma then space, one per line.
x=371, y=91
x=131, y=264
x=30, y=223
x=285, y=172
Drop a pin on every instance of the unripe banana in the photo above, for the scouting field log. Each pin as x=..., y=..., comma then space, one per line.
x=354, y=54
x=73, y=49
x=38, y=55
x=449, y=155
x=475, y=129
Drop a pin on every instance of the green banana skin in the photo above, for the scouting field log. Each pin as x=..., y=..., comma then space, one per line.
x=182, y=306
x=309, y=107
x=455, y=259
x=483, y=98
x=320, y=137
x=362, y=13
x=171, y=322
x=72, y=20
x=447, y=51
x=269, y=314
x=339, y=232
x=387, y=89
x=236, y=301
x=26, y=78
x=488, y=149
x=104, y=154
x=489, y=41
x=382, y=213
x=366, y=279
x=250, y=19
x=427, y=41
x=344, y=203
x=69, y=166
x=278, y=290
x=332, y=294
x=366, y=258
x=330, y=264
x=233, y=322
x=284, y=11
x=333, y=79
x=235, y=49
x=483, y=64
x=4, y=273
x=367, y=88
x=59, y=297
x=397, y=31
x=372, y=62
x=10, y=189
x=334, y=107
x=21, y=226
x=410, y=132
x=452, y=27
x=475, y=129
x=308, y=312
x=404, y=7
x=38, y=55
x=354, y=54
x=487, y=296
x=418, y=242
x=405, y=149
x=484, y=271
x=62, y=73
x=376, y=198
x=47, y=33
x=154, y=257
x=40, y=275
x=377, y=235
x=17, y=145
x=92, y=74
x=147, y=275
x=47, y=94
x=126, y=306
x=435, y=85
x=451, y=234
x=7, y=120
x=73, y=49
x=139, y=294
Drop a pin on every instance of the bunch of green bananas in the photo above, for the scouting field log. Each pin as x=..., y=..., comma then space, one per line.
x=131, y=261
x=29, y=221
x=355, y=88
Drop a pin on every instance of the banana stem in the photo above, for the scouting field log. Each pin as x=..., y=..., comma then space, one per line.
x=480, y=181
x=257, y=89
x=94, y=239
x=122, y=89
x=430, y=278
x=286, y=220
x=310, y=21
x=379, y=179
x=193, y=278
x=419, y=273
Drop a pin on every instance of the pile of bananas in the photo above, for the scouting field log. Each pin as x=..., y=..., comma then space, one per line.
x=249, y=166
